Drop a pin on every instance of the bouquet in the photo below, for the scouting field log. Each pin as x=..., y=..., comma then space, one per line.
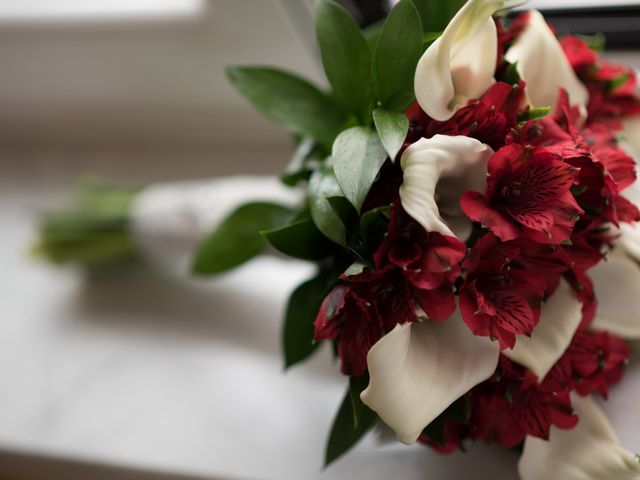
x=470, y=203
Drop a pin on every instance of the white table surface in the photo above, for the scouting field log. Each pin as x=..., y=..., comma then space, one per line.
x=138, y=369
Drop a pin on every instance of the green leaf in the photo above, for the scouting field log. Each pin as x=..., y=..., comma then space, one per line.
x=323, y=184
x=372, y=32
x=373, y=227
x=237, y=239
x=301, y=239
x=345, y=56
x=397, y=52
x=511, y=75
x=392, y=128
x=302, y=162
x=299, y=330
x=534, y=114
x=290, y=101
x=358, y=155
x=353, y=420
x=436, y=14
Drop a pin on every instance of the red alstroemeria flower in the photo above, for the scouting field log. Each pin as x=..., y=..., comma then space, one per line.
x=512, y=405
x=612, y=87
x=593, y=362
x=528, y=193
x=496, y=299
x=411, y=266
x=488, y=119
x=360, y=311
x=428, y=261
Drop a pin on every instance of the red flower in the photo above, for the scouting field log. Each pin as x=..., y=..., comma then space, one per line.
x=528, y=193
x=487, y=119
x=411, y=266
x=454, y=434
x=592, y=363
x=612, y=87
x=359, y=312
x=512, y=405
x=428, y=262
x=496, y=299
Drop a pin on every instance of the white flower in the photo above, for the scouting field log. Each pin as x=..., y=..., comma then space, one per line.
x=460, y=65
x=542, y=64
x=437, y=171
x=417, y=370
x=590, y=451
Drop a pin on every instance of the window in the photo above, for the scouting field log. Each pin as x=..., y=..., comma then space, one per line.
x=44, y=10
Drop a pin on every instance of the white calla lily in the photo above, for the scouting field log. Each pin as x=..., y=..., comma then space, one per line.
x=542, y=64
x=559, y=320
x=630, y=232
x=442, y=168
x=616, y=282
x=417, y=370
x=590, y=451
x=460, y=65
x=631, y=133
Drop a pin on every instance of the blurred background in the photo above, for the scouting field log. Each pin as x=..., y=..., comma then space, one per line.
x=141, y=375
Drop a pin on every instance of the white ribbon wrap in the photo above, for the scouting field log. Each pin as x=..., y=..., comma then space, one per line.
x=170, y=220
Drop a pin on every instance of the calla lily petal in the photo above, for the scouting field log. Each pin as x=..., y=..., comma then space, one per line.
x=616, y=282
x=542, y=64
x=559, y=320
x=460, y=65
x=446, y=167
x=417, y=370
x=631, y=133
x=590, y=451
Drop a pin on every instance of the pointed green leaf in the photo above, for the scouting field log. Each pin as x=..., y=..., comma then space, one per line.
x=397, y=53
x=303, y=307
x=301, y=239
x=290, y=101
x=436, y=14
x=392, y=128
x=353, y=420
x=358, y=155
x=237, y=239
x=323, y=184
x=345, y=56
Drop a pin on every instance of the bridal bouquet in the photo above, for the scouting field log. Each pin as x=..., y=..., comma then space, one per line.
x=470, y=203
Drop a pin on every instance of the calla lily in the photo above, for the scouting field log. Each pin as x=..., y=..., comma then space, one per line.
x=442, y=167
x=559, y=320
x=417, y=370
x=590, y=451
x=542, y=64
x=630, y=232
x=460, y=65
x=617, y=284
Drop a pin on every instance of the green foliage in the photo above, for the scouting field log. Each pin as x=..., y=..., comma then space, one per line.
x=346, y=57
x=392, y=128
x=307, y=156
x=357, y=155
x=353, y=420
x=436, y=14
x=304, y=304
x=290, y=101
x=534, y=114
x=323, y=184
x=300, y=239
x=373, y=227
x=93, y=230
x=237, y=238
x=396, y=55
